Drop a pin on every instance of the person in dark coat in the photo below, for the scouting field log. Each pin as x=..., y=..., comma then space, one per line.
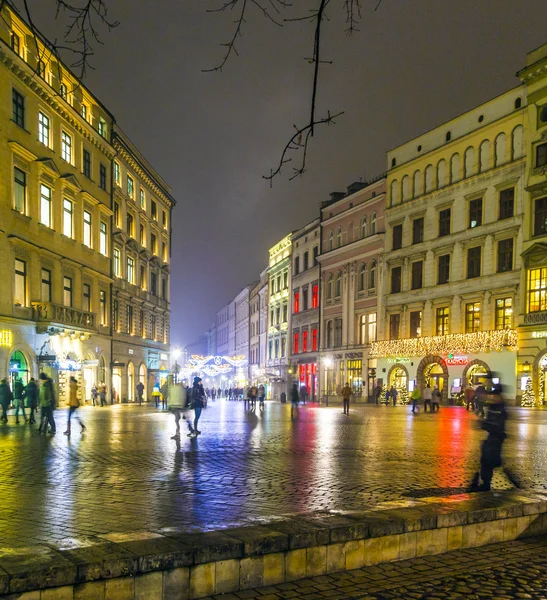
x=196, y=400
x=494, y=424
x=31, y=397
x=480, y=397
x=140, y=391
x=19, y=399
x=295, y=398
x=5, y=399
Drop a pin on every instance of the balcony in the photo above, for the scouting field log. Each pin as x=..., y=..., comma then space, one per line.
x=47, y=312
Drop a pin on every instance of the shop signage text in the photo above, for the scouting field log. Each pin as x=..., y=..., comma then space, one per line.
x=398, y=360
x=453, y=360
x=47, y=311
x=535, y=334
x=5, y=338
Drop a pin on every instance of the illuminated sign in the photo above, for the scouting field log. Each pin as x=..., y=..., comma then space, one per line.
x=163, y=356
x=539, y=334
x=398, y=360
x=454, y=360
x=5, y=338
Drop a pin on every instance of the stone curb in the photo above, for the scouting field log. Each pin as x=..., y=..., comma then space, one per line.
x=175, y=565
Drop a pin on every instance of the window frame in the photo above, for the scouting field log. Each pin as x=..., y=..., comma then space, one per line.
x=540, y=291
x=44, y=129
x=86, y=163
x=397, y=237
x=66, y=147
x=442, y=320
x=542, y=211
x=103, y=238
x=20, y=280
x=445, y=222
x=45, y=199
x=501, y=314
x=21, y=186
x=130, y=186
x=475, y=213
x=474, y=262
x=418, y=227
x=45, y=285
x=116, y=262
x=68, y=218
x=395, y=326
x=443, y=267
x=414, y=275
x=506, y=205
x=102, y=176
x=396, y=280
x=472, y=317
x=18, y=108
x=504, y=265
x=130, y=267
x=415, y=330
x=540, y=155
x=67, y=291
x=103, y=308
x=86, y=295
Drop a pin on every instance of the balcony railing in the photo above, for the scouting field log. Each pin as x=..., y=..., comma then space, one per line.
x=64, y=315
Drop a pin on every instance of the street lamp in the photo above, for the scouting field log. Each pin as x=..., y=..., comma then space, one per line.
x=176, y=368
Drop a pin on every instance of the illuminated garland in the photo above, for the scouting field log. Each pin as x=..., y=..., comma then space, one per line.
x=528, y=399
x=541, y=398
x=455, y=343
x=199, y=361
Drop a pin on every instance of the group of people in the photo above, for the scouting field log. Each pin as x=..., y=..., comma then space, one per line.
x=431, y=398
x=183, y=400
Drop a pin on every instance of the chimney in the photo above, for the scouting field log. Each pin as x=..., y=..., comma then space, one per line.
x=335, y=196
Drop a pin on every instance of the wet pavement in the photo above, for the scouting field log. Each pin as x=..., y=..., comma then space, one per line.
x=126, y=474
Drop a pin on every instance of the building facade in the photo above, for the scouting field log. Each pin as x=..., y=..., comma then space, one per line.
x=352, y=234
x=258, y=304
x=242, y=322
x=453, y=249
x=305, y=307
x=225, y=343
x=279, y=281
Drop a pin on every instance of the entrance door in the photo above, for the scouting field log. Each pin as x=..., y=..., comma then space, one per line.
x=434, y=376
x=130, y=382
x=116, y=382
x=88, y=382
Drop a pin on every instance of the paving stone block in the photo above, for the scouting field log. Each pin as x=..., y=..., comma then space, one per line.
x=341, y=529
x=295, y=564
x=316, y=561
x=336, y=557
x=447, y=516
x=122, y=588
x=61, y=593
x=176, y=584
x=149, y=585
x=432, y=541
x=274, y=568
x=94, y=590
x=454, y=538
x=381, y=549
x=36, y=567
x=259, y=540
x=210, y=546
x=355, y=554
x=302, y=534
x=480, y=534
x=407, y=545
x=226, y=576
x=414, y=518
x=202, y=580
x=251, y=572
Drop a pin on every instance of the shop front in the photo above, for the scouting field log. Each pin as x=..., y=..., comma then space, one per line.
x=307, y=377
x=340, y=368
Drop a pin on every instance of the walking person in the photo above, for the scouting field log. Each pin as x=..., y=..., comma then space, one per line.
x=5, y=399
x=140, y=391
x=178, y=405
x=31, y=397
x=346, y=395
x=102, y=393
x=491, y=456
x=47, y=403
x=19, y=399
x=377, y=394
x=197, y=401
x=295, y=397
x=94, y=394
x=73, y=404
x=416, y=397
x=303, y=394
x=164, y=394
x=156, y=394
x=435, y=399
x=480, y=397
x=427, y=397
x=394, y=394
x=261, y=396
x=469, y=397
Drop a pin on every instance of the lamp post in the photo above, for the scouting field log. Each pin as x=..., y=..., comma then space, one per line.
x=176, y=367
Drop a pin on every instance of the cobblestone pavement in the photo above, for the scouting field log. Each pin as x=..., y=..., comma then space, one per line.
x=126, y=473
x=502, y=572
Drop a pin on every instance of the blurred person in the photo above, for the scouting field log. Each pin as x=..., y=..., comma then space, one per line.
x=31, y=397
x=480, y=398
x=73, y=404
x=346, y=395
x=140, y=392
x=435, y=399
x=156, y=394
x=394, y=394
x=469, y=397
x=94, y=394
x=416, y=396
x=261, y=396
x=427, y=397
x=178, y=405
x=102, y=393
x=5, y=398
x=19, y=399
x=196, y=401
x=47, y=404
x=377, y=393
x=295, y=397
x=303, y=394
x=164, y=394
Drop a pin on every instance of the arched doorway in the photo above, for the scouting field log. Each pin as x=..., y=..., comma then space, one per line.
x=433, y=371
x=18, y=367
x=142, y=379
x=541, y=380
x=130, y=382
x=116, y=383
x=477, y=371
x=89, y=375
x=398, y=378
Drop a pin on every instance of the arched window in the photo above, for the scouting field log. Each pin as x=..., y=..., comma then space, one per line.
x=516, y=142
x=469, y=162
x=417, y=184
x=373, y=223
x=394, y=192
x=364, y=227
x=329, y=286
x=429, y=178
x=406, y=187
x=331, y=240
x=500, y=149
x=518, y=103
x=484, y=156
x=362, y=277
x=339, y=237
x=372, y=276
x=338, y=285
x=441, y=174
x=455, y=168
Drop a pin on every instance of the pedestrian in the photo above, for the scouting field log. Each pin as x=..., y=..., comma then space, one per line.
x=480, y=397
x=394, y=394
x=31, y=398
x=47, y=403
x=470, y=397
x=102, y=393
x=196, y=401
x=377, y=393
x=230, y=394
x=73, y=404
x=415, y=397
x=156, y=394
x=219, y=392
x=491, y=456
x=140, y=391
x=5, y=398
x=164, y=394
x=213, y=394
x=178, y=405
x=294, y=400
x=254, y=394
x=346, y=395
x=427, y=397
x=261, y=396
x=435, y=399
x=303, y=394
x=94, y=394
x=19, y=399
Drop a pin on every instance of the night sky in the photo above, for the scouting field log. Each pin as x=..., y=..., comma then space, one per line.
x=413, y=65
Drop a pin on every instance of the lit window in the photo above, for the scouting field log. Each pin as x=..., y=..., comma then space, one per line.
x=67, y=218
x=130, y=186
x=117, y=262
x=296, y=302
x=102, y=302
x=45, y=205
x=83, y=110
x=442, y=321
x=20, y=291
x=372, y=276
x=102, y=127
x=537, y=290
x=504, y=313
x=63, y=90
x=87, y=297
x=19, y=190
x=305, y=341
x=45, y=291
x=295, y=343
x=117, y=173
x=41, y=69
x=87, y=228
x=142, y=199
x=67, y=291
x=66, y=147
x=103, y=243
x=373, y=224
x=15, y=42
x=416, y=324
x=130, y=270
x=43, y=129
x=315, y=296
x=371, y=327
x=472, y=317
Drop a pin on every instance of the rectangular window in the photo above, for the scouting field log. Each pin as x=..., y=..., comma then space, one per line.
x=143, y=277
x=117, y=266
x=154, y=210
x=116, y=316
x=130, y=270
x=102, y=177
x=444, y=222
x=67, y=291
x=142, y=199
x=154, y=244
x=164, y=219
x=415, y=323
x=164, y=252
x=397, y=237
x=443, y=269
x=63, y=91
x=297, y=265
x=154, y=284
x=472, y=317
x=337, y=332
x=504, y=313
x=417, y=274
x=285, y=313
x=67, y=218
x=130, y=186
x=87, y=297
x=305, y=341
x=371, y=328
x=66, y=147
x=87, y=228
x=505, y=255
x=306, y=260
x=45, y=205
x=507, y=203
x=315, y=255
x=442, y=321
x=164, y=288
x=116, y=214
x=142, y=324
x=475, y=213
x=363, y=329
x=130, y=224
x=285, y=280
x=41, y=69
x=102, y=301
x=283, y=347
x=541, y=155
x=296, y=302
x=43, y=129
x=101, y=127
x=418, y=231
x=474, y=262
x=18, y=104
x=315, y=296
x=117, y=173
x=19, y=190
x=270, y=349
x=394, y=326
x=305, y=298
x=103, y=240
x=87, y=164
x=142, y=237
x=395, y=280
x=20, y=290
x=45, y=290
x=15, y=42
x=314, y=340
x=83, y=111
x=295, y=343
x=129, y=319
x=537, y=290
x=540, y=216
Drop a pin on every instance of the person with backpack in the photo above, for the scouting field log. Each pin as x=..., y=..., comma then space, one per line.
x=47, y=403
x=73, y=404
x=31, y=398
x=19, y=399
x=5, y=399
x=178, y=405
